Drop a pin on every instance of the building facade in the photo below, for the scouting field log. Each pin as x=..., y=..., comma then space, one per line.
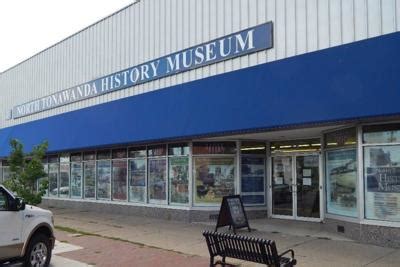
x=164, y=107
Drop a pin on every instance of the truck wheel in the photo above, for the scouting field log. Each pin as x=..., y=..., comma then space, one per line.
x=38, y=253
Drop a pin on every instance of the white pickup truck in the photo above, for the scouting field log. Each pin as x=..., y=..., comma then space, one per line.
x=26, y=232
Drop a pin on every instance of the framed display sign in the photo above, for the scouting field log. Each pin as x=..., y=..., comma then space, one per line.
x=232, y=214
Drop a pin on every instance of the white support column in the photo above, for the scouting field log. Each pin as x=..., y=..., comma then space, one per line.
x=238, y=167
x=190, y=173
x=360, y=169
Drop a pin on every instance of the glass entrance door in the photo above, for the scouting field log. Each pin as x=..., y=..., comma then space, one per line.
x=307, y=186
x=282, y=186
x=295, y=187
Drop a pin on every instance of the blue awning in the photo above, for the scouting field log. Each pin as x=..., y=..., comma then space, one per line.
x=352, y=81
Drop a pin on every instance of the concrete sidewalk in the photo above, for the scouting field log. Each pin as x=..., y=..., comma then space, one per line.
x=312, y=246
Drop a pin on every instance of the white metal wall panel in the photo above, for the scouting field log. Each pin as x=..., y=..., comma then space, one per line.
x=154, y=28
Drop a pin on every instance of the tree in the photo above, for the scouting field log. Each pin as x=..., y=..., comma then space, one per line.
x=25, y=170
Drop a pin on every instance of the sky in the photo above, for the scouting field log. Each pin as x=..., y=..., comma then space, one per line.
x=30, y=26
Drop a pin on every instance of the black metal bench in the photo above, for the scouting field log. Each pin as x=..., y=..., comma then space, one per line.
x=245, y=248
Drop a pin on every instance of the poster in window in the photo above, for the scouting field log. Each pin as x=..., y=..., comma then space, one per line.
x=119, y=170
x=76, y=180
x=104, y=179
x=382, y=183
x=179, y=182
x=53, y=179
x=157, y=179
x=341, y=174
x=137, y=180
x=89, y=173
x=214, y=179
x=64, y=180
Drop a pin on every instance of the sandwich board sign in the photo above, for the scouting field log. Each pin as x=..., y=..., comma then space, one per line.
x=232, y=214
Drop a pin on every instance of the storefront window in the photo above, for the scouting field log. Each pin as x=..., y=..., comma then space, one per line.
x=206, y=148
x=382, y=172
x=76, y=179
x=53, y=179
x=253, y=172
x=119, y=172
x=382, y=182
x=137, y=180
x=64, y=180
x=253, y=177
x=136, y=152
x=214, y=178
x=379, y=134
x=46, y=170
x=179, y=179
x=341, y=182
x=341, y=138
x=5, y=171
x=157, y=180
x=157, y=151
x=178, y=173
x=341, y=172
x=178, y=149
x=89, y=174
x=104, y=179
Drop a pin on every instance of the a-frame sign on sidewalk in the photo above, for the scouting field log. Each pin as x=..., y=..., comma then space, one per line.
x=232, y=214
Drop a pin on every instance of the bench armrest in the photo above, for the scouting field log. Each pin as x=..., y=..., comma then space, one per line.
x=287, y=251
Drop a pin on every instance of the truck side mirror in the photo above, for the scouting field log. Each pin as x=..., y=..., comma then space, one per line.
x=20, y=203
x=16, y=204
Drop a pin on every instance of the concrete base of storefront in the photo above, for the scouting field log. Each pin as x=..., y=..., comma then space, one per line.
x=372, y=234
x=185, y=215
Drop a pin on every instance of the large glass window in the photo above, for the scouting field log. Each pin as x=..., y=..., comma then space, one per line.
x=253, y=177
x=53, y=179
x=382, y=182
x=157, y=184
x=119, y=176
x=178, y=173
x=214, y=178
x=341, y=172
x=382, y=172
x=76, y=179
x=179, y=179
x=89, y=174
x=157, y=180
x=64, y=180
x=46, y=170
x=5, y=173
x=104, y=179
x=341, y=177
x=253, y=173
x=137, y=180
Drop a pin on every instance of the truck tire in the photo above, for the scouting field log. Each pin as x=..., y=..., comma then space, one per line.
x=38, y=253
